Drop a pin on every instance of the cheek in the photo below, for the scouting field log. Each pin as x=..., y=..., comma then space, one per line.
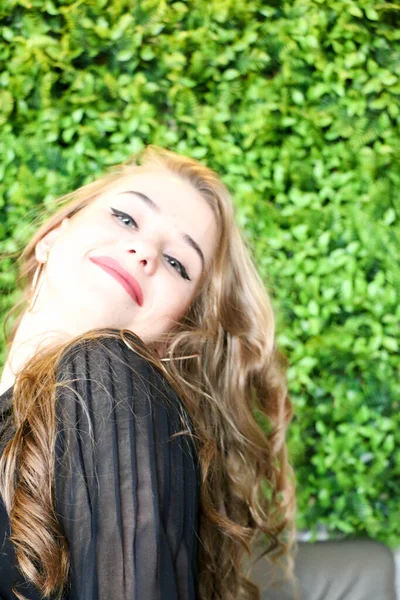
x=62, y=274
x=67, y=255
x=81, y=239
x=172, y=299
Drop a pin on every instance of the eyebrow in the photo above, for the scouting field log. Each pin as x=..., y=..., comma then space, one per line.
x=185, y=236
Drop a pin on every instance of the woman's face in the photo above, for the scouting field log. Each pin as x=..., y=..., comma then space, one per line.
x=160, y=231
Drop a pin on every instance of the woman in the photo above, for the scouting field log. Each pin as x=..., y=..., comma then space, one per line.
x=140, y=378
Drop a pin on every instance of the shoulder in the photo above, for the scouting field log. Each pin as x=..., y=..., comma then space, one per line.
x=105, y=357
x=107, y=396
x=97, y=354
x=107, y=371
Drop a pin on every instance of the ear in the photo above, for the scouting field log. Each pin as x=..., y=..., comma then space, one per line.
x=44, y=244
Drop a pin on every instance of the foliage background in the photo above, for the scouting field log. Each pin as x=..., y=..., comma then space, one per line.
x=296, y=105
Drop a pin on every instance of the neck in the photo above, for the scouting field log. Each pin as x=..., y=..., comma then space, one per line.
x=29, y=339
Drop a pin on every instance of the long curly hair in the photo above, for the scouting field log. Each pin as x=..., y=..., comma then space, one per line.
x=234, y=389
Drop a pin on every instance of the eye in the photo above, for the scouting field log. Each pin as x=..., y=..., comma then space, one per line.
x=121, y=215
x=181, y=268
x=178, y=265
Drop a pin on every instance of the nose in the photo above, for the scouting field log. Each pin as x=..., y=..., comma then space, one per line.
x=146, y=254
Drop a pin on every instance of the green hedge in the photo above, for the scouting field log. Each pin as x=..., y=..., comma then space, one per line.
x=296, y=104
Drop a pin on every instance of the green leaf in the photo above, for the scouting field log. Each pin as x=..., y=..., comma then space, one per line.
x=125, y=55
x=355, y=11
x=371, y=14
x=147, y=53
x=231, y=74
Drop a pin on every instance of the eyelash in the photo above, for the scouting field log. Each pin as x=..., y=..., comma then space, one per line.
x=182, y=270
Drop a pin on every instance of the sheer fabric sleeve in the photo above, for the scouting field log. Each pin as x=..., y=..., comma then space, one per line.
x=127, y=495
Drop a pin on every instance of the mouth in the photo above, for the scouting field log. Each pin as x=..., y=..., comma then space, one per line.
x=113, y=268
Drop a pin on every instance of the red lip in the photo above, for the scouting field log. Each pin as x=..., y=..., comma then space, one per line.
x=133, y=286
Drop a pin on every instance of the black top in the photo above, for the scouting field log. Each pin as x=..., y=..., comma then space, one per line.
x=127, y=500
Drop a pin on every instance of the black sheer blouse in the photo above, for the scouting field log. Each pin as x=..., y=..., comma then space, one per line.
x=127, y=495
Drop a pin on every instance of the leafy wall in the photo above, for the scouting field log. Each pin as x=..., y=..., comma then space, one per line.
x=296, y=105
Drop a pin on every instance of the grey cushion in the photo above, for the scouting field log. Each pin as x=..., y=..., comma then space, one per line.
x=359, y=569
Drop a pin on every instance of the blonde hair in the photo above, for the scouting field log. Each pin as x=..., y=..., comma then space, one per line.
x=234, y=390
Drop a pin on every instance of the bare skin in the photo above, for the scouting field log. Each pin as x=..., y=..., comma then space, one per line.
x=77, y=295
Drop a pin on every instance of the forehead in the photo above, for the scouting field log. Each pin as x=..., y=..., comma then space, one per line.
x=176, y=200
x=170, y=193
x=167, y=188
